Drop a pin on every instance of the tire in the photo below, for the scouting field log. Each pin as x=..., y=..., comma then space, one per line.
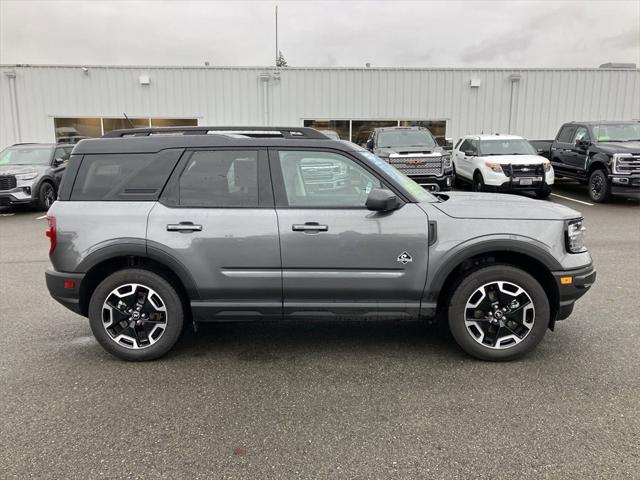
x=482, y=339
x=478, y=183
x=543, y=193
x=126, y=342
x=46, y=196
x=455, y=181
x=599, y=188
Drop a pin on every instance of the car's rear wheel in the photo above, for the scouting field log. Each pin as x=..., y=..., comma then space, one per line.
x=46, y=196
x=498, y=313
x=478, y=183
x=136, y=315
x=599, y=189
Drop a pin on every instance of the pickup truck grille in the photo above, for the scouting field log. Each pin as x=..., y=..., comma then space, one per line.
x=7, y=182
x=517, y=170
x=628, y=164
x=418, y=164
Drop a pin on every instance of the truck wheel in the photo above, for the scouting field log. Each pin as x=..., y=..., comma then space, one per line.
x=136, y=315
x=478, y=183
x=543, y=192
x=498, y=313
x=599, y=189
x=46, y=196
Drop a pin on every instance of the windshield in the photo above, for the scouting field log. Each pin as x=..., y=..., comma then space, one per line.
x=25, y=156
x=621, y=132
x=419, y=193
x=405, y=138
x=517, y=146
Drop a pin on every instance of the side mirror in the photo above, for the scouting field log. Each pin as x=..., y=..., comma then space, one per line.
x=583, y=143
x=382, y=200
x=369, y=145
x=470, y=153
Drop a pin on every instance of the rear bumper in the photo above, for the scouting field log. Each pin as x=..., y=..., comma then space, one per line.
x=67, y=295
x=581, y=281
x=625, y=185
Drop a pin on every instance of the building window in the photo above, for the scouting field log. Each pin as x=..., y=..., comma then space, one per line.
x=341, y=127
x=72, y=130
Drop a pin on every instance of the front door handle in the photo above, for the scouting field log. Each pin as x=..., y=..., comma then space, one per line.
x=310, y=227
x=185, y=227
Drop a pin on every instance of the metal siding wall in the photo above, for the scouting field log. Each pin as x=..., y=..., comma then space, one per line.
x=218, y=96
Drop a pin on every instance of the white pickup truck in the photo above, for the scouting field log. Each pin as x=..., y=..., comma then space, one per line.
x=501, y=163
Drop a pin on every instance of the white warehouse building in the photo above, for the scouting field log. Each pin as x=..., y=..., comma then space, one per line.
x=67, y=103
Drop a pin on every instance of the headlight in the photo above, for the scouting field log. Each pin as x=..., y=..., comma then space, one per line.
x=547, y=166
x=27, y=176
x=446, y=161
x=496, y=167
x=614, y=162
x=575, y=236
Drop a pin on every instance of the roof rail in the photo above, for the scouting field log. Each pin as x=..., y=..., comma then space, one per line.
x=252, y=132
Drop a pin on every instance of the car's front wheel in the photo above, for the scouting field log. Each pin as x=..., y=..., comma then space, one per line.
x=136, y=315
x=478, y=183
x=498, y=313
x=46, y=196
x=599, y=189
x=543, y=192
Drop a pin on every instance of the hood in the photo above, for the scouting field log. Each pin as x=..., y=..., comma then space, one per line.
x=19, y=169
x=502, y=206
x=619, y=147
x=517, y=159
x=386, y=151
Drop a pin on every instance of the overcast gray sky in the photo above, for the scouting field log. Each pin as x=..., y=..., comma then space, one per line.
x=328, y=33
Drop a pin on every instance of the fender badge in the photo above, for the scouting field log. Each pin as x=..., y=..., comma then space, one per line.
x=405, y=258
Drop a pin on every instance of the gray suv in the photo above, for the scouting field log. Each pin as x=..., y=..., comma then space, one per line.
x=30, y=173
x=155, y=228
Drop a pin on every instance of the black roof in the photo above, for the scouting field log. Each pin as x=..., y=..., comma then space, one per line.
x=413, y=127
x=150, y=140
x=606, y=122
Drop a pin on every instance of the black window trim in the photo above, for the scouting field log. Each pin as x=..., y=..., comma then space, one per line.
x=169, y=196
x=281, y=201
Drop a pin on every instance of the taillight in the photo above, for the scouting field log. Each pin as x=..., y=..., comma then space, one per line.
x=51, y=233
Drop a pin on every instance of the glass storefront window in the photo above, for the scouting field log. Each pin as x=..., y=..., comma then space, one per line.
x=174, y=122
x=120, y=123
x=72, y=130
x=361, y=129
x=341, y=127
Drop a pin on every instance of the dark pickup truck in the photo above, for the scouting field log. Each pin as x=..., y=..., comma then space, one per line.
x=603, y=155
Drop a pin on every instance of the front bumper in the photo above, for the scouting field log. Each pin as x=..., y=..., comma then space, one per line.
x=61, y=289
x=625, y=185
x=434, y=183
x=572, y=284
x=512, y=185
x=16, y=196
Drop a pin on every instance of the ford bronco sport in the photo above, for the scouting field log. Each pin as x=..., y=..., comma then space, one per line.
x=152, y=231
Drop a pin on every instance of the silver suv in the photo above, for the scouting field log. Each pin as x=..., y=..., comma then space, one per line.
x=155, y=228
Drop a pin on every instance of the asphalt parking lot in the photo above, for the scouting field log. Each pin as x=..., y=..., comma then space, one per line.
x=324, y=399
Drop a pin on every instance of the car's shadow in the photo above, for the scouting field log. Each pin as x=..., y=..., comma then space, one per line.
x=270, y=341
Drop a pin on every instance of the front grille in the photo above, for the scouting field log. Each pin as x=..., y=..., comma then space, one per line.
x=7, y=182
x=517, y=170
x=628, y=165
x=418, y=164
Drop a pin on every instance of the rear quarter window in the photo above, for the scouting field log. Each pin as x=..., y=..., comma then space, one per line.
x=123, y=177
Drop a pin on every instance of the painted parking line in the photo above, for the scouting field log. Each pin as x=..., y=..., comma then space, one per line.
x=40, y=218
x=572, y=199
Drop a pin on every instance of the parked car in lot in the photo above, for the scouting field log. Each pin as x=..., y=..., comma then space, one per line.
x=603, y=155
x=414, y=152
x=152, y=231
x=30, y=173
x=502, y=163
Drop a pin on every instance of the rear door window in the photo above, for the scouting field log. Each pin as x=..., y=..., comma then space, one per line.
x=222, y=178
x=124, y=176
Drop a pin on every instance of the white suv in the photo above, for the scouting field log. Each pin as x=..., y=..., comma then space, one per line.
x=501, y=163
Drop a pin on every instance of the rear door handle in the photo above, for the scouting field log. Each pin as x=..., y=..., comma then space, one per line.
x=310, y=227
x=185, y=227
